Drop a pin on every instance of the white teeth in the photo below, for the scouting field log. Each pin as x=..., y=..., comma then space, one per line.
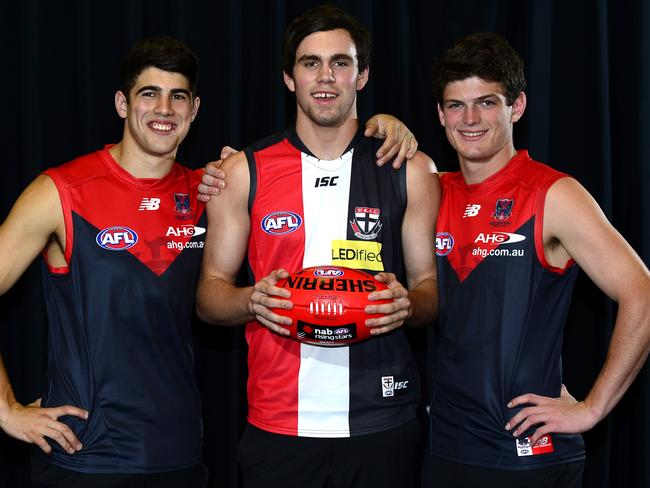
x=473, y=134
x=324, y=95
x=163, y=127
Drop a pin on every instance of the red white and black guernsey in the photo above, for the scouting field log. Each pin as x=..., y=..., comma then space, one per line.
x=309, y=212
x=502, y=314
x=119, y=338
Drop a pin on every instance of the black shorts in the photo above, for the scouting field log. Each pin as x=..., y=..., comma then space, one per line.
x=439, y=473
x=385, y=459
x=47, y=475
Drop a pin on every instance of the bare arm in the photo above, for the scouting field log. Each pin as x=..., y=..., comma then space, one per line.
x=219, y=301
x=418, y=305
x=34, y=219
x=399, y=141
x=575, y=227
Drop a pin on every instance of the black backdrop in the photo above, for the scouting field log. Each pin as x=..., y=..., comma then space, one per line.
x=587, y=64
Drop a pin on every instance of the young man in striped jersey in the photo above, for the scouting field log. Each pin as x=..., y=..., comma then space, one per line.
x=322, y=416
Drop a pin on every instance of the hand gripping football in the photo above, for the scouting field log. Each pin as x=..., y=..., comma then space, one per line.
x=329, y=304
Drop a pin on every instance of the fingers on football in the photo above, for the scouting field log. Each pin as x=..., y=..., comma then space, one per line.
x=273, y=325
x=386, y=324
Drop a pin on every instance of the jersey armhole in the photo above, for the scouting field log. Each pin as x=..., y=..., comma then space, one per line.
x=403, y=186
x=539, y=226
x=66, y=207
x=251, y=159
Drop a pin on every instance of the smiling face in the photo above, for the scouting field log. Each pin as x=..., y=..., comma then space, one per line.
x=326, y=78
x=479, y=123
x=157, y=113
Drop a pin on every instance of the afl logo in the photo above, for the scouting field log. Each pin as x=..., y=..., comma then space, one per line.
x=278, y=223
x=444, y=243
x=117, y=238
x=342, y=331
x=328, y=272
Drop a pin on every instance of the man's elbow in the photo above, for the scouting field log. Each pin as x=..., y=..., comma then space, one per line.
x=204, y=307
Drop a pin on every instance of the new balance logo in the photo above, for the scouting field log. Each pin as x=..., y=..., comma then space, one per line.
x=149, y=204
x=471, y=210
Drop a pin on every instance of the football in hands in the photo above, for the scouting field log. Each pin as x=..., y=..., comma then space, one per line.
x=329, y=304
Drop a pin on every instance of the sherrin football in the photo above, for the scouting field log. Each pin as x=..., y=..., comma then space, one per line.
x=329, y=304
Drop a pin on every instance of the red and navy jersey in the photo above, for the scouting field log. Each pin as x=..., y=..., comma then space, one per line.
x=119, y=337
x=309, y=212
x=502, y=314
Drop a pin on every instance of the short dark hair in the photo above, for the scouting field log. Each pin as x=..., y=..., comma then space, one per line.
x=485, y=55
x=320, y=19
x=165, y=53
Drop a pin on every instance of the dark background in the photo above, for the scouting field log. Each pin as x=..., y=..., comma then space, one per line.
x=588, y=114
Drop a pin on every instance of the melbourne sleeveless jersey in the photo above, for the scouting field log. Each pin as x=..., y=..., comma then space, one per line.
x=308, y=212
x=119, y=337
x=502, y=314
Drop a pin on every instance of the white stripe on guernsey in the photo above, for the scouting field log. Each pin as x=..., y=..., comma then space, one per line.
x=324, y=378
x=324, y=392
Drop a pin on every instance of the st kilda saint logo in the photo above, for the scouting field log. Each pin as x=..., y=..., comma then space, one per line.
x=366, y=223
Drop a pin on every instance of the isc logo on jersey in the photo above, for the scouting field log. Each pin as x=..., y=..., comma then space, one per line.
x=499, y=238
x=283, y=222
x=444, y=243
x=117, y=238
x=391, y=386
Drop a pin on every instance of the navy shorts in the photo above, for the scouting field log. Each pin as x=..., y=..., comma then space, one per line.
x=439, y=473
x=47, y=475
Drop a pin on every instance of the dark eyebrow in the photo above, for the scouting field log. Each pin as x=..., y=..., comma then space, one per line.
x=334, y=57
x=491, y=95
x=181, y=90
x=338, y=57
x=158, y=90
x=149, y=88
x=307, y=57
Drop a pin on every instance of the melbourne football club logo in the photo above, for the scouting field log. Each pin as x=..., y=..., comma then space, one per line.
x=182, y=205
x=502, y=211
x=367, y=223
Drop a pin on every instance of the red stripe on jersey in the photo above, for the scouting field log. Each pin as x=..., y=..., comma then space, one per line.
x=277, y=240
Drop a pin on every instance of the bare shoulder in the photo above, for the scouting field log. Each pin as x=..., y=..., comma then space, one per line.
x=39, y=203
x=34, y=218
x=236, y=168
x=568, y=203
x=576, y=227
x=421, y=162
x=422, y=174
